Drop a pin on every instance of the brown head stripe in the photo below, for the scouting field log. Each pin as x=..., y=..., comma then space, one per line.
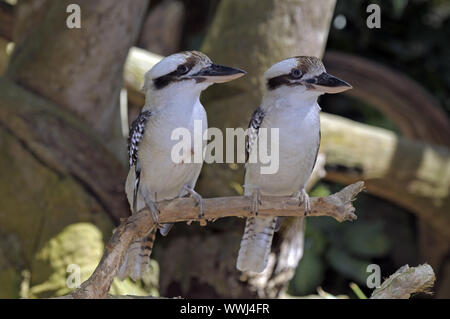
x=308, y=63
x=193, y=57
x=304, y=63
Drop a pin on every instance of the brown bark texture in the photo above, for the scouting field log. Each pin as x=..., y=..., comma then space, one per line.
x=58, y=109
x=79, y=69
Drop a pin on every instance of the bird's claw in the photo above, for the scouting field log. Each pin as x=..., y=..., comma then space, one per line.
x=153, y=208
x=256, y=201
x=303, y=199
x=202, y=208
x=199, y=203
x=155, y=212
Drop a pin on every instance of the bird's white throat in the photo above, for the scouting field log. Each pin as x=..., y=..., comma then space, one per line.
x=287, y=97
x=182, y=95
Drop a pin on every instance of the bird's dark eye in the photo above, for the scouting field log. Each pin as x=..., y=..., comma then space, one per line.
x=296, y=73
x=182, y=69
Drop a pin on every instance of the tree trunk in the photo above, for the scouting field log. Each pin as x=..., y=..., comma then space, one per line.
x=79, y=69
x=61, y=189
x=251, y=35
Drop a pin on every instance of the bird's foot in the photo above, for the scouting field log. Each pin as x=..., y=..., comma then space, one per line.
x=303, y=198
x=154, y=209
x=199, y=200
x=256, y=201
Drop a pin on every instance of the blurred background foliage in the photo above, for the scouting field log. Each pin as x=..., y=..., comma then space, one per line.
x=413, y=39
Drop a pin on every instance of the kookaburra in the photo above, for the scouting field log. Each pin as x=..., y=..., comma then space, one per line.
x=290, y=105
x=172, y=91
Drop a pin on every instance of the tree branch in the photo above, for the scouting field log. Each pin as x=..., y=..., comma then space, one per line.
x=411, y=174
x=338, y=206
x=414, y=110
x=63, y=144
x=83, y=73
x=406, y=281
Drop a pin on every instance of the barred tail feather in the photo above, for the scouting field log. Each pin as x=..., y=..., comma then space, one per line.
x=291, y=249
x=137, y=257
x=165, y=228
x=255, y=244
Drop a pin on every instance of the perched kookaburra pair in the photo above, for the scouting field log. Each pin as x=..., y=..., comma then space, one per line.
x=172, y=89
x=172, y=100
x=290, y=105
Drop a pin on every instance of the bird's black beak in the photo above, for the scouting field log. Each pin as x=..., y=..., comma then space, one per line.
x=216, y=73
x=327, y=83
